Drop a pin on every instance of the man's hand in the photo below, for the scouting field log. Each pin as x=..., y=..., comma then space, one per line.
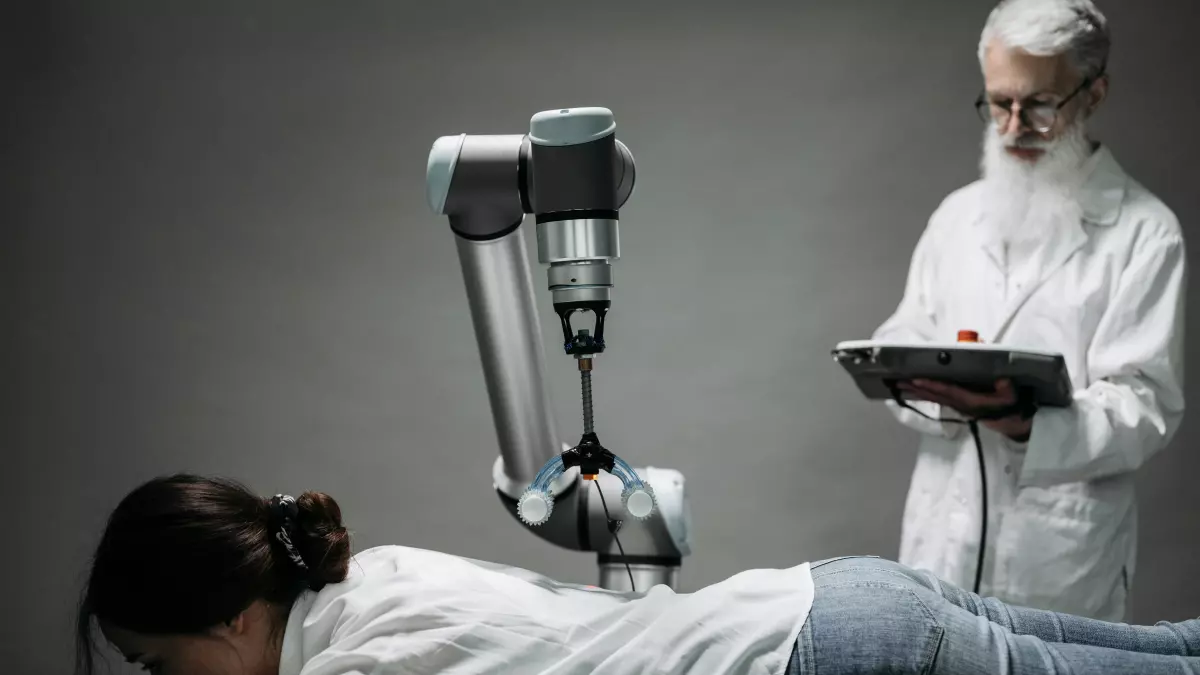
x=972, y=404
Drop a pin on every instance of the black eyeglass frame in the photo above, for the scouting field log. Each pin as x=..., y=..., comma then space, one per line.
x=983, y=107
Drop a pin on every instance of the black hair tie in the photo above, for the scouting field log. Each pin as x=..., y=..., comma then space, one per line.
x=284, y=511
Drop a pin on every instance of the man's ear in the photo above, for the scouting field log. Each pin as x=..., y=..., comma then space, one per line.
x=1097, y=94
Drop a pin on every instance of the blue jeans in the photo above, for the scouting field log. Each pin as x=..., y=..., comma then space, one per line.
x=875, y=616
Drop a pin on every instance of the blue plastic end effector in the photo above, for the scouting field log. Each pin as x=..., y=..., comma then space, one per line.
x=537, y=503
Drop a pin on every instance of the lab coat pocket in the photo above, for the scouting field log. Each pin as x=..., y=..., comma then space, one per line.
x=1064, y=549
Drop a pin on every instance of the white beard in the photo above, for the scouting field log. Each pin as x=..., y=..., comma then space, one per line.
x=1027, y=203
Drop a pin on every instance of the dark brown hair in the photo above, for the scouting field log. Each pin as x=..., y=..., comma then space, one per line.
x=183, y=553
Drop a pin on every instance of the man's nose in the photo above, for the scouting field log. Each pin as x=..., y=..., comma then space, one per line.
x=1015, y=124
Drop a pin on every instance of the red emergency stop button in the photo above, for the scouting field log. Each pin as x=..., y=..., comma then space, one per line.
x=968, y=336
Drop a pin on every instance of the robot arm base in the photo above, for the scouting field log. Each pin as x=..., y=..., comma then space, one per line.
x=615, y=575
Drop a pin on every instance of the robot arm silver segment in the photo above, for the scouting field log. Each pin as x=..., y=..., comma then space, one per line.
x=477, y=182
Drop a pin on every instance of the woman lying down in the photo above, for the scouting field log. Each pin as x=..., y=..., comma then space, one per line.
x=195, y=576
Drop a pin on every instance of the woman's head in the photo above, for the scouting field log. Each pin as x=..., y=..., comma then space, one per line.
x=196, y=575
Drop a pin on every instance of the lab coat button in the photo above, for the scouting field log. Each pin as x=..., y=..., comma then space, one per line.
x=1007, y=470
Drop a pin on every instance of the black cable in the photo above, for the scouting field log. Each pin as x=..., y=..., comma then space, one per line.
x=613, y=526
x=973, y=424
x=983, y=521
x=585, y=375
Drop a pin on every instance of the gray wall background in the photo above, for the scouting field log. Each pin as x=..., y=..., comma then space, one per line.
x=217, y=258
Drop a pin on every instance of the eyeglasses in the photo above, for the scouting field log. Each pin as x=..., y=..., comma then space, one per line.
x=1038, y=116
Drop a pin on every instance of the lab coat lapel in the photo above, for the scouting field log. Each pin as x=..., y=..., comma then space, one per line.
x=996, y=253
x=1051, y=257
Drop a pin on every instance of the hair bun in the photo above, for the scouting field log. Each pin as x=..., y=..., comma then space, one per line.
x=321, y=539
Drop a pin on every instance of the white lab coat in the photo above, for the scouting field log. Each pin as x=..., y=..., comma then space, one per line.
x=406, y=611
x=1108, y=295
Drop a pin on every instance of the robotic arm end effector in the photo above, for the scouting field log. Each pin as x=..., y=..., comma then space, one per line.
x=537, y=502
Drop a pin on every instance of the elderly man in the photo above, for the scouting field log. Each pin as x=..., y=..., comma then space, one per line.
x=1055, y=248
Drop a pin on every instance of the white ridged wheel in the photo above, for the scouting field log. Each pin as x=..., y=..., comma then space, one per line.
x=534, y=507
x=639, y=502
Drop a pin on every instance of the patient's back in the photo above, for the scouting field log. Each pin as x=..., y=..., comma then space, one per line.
x=406, y=610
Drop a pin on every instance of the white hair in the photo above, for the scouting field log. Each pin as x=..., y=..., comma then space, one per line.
x=1051, y=28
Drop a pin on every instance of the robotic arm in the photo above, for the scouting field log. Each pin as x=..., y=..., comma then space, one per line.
x=572, y=173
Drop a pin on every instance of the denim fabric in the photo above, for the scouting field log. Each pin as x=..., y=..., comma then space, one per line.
x=875, y=616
